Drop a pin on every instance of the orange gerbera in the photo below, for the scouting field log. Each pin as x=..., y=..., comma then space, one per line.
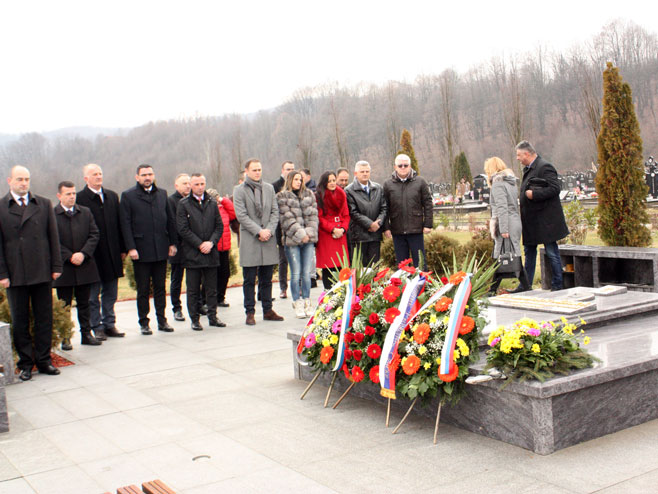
x=390, y=314
x=344, y=274
x=411, y=365
x=422, y=333
x=374, y=374
x=442, y=304
x=467, y=325
x=454, y=372
x=457, y=277
x=391, y=293
x=326, y=354
x=381, y=274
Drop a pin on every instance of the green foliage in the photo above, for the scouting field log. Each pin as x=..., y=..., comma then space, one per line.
x=62, y=323
x=579, y=220
x=408, y=149
x=442, y=219
x=463, y=169
x=440, y=251
x=481, y=246
x=233, y=265
x=620, y=178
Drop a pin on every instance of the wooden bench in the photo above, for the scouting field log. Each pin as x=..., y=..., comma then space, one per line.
x=156, y=487
x=129, y=489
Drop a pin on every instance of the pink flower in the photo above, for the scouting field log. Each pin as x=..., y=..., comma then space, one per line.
x=328, y=308
x=494, y=342
x=336, y=327
x=310, y=340
x=533, y=332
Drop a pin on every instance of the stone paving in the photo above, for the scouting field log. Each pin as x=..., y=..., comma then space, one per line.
x=219, y=411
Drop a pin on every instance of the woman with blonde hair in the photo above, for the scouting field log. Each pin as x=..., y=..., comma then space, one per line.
x=505, y=216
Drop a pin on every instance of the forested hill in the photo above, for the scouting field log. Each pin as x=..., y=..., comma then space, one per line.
x=552, y=99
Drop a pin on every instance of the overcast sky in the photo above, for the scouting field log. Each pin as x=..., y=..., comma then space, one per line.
x=123, y=63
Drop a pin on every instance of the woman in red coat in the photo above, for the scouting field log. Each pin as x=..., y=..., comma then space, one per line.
x=334, y=218
x=227, y=212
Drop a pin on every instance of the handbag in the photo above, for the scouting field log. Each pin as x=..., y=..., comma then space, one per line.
x=508, y=261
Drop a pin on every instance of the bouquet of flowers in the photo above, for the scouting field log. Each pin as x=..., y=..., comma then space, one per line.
x=537, y=350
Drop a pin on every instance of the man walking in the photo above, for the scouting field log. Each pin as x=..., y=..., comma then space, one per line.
x=109, y=254
x=286, y=168
x=257, y=211
x=182, y=185
x=365, y=200
x=149, y=231
x=542, y=218
x=409, y=205
x=78, y=237
x=200, y=227
x=29, y=262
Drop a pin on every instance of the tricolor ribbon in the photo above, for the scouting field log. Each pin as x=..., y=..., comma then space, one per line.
x=454, y=323
x=390, y=347
x=350, y=299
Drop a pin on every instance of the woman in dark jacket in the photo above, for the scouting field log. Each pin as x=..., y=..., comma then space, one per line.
x=298, y=218
x=334, y=218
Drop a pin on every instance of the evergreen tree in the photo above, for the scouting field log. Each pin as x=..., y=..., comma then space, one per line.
x=463, y=169
x=408, y=149
x=620, y=181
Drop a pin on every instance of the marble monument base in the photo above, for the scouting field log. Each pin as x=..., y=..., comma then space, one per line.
x=620, y=392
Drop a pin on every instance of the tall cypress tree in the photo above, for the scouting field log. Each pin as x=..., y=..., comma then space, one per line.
x=620, y=178
x=408, y=149
x=463, y=169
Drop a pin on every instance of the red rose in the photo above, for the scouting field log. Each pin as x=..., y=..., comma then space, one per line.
x=355, y=310
x=357, y=374
x=444, y=280
x=374, y=374
x=373, y=318
x=370, y=330
x=358, y=337
x=396, y=281
x=358, y=355
x=391, y=314
x=367, y=288
x=349, y=337
x=374, y=351
x=348, y=354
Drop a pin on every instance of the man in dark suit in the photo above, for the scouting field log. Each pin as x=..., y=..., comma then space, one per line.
x=286, y=168
x=149, y=231
x=182, y=185
x=29, y=262
x=200, y=228
x=78, y=237
x=542, y=218
x=109, y=254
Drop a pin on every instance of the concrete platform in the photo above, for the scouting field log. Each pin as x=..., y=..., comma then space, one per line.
x=144, y=407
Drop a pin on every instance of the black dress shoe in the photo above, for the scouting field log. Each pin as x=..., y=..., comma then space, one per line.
x=113, y=333
x=216, y=322
x=145, y=330
x=99, y=334
x=165, y=328
x=66, y=345
x=178, y=315
x=26, y=375
x=196, y=326
x=86, y=338
x=50, y=369
x=518, y=289
x=203, y=310
x=223, y=304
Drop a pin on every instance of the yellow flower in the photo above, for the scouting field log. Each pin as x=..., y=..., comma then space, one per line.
x=438, y=360
x=582, y=321
x=564, y=320
x=402, y=337
x=326, y=342
x=586, y=340
x=334, y=339
x=433, y=319
x=463, y=347
x=325, y=300
x=536, y=348
x=339, y=312
x=457, y=355
x=422, y=350
x=403, y=361
x=427, y=366
x=446, y=320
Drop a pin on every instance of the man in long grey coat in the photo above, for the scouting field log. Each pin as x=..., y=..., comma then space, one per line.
x=258, y=213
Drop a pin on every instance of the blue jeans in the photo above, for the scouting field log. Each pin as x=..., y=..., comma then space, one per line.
x=300, y=260
x=101, y=313
x=553, y=254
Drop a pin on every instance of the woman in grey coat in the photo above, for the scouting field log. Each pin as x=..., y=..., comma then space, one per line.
x=298, y=217
x=505, y=216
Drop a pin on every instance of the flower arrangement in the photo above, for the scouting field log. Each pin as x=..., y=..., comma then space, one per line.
x=538, y=350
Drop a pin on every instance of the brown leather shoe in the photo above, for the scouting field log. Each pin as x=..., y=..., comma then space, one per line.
x=270, y=315
x=250, y=319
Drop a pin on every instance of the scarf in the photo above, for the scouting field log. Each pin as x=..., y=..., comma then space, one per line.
x=257, y=189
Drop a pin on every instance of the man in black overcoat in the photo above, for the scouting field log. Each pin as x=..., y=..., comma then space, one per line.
x=29, y=262
x=200, y=227
x=109, y=254
x=182, y=185
x=149, y=232
x=78, y=237
x=542, y=218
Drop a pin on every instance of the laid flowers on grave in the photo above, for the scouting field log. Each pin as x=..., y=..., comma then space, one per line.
x=538, y=350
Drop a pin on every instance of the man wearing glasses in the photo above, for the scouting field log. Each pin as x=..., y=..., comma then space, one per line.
x=409, y=204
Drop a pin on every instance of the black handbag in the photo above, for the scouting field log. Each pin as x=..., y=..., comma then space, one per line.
x=508, y=261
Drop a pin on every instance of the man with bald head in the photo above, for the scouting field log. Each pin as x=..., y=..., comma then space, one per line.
x=30, y=260
x=109, y=254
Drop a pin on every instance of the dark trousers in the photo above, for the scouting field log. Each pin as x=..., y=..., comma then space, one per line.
x=264, y=274
x=81, y=292
x=370, y=251
x=101, y=311
x=41, y=297
x=223, y=275
x=175, y=283
x=408, y=246
x=283, y=269
x=145, y=274
x=327, y=274
x=553, y=254
x=193, y=278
